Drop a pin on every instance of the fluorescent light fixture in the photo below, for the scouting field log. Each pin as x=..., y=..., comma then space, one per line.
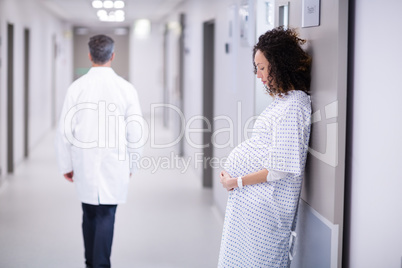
x=142, y=28
x=119, y=4
x=108, y=4
x=97, y=4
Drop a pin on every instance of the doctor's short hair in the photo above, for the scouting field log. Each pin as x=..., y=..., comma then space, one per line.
x=101, y=48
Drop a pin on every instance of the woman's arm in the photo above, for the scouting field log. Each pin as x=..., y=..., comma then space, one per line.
x=253, y=178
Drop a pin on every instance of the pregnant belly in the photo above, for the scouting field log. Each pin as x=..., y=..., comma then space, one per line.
x=248, y=157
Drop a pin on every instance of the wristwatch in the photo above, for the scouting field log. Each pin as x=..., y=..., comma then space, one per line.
x=240, y=182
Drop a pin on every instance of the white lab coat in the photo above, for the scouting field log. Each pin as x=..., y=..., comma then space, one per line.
x=100, y=128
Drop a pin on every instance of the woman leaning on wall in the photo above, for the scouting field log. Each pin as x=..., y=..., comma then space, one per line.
x=264, y=173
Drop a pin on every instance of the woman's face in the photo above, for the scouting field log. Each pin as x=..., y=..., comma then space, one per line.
x=262, y=66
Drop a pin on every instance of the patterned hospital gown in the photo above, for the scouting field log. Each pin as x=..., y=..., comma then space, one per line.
x=260, y=218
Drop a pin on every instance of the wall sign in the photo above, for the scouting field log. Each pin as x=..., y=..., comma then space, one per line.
x=311, y=13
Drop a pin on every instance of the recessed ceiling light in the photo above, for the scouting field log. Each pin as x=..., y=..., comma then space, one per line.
x=97, y=4
x=101, y=13
x=118, y=4
x=119, y=15
x=104, y=18
x=108, y=4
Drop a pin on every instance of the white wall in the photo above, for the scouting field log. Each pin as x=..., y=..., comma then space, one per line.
x=376, y=186
x=234, y=95
x=43, y=26
x=146, y=66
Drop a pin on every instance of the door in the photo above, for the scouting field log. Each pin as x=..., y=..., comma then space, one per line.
x=10, y=98
x=208, y=97
x=26, y=91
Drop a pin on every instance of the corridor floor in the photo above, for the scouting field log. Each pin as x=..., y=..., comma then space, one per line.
x=168, y=221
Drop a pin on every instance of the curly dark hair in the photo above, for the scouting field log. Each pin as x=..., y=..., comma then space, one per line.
x=289, y=64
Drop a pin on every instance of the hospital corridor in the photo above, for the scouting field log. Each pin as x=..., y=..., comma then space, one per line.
x=180, y=94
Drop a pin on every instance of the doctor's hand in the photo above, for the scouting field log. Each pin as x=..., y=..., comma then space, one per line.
x=227, y=182
x=69, y=176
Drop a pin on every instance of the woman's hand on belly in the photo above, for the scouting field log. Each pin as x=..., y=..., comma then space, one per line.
x=227, y=182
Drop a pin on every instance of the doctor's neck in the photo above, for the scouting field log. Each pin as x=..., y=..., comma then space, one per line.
x=106, y=64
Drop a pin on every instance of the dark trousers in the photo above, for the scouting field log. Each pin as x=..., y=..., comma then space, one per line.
x=97, y=228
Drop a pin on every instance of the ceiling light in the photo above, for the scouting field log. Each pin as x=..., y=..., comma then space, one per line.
x=142, y=28
x=101, y=13
x=104, y=18
x=112, y=17
x=118, y=4
x=108, y=4
x=97, y=4
x=119, y=13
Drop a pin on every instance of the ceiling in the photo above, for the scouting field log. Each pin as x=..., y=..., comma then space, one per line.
x=81, y=13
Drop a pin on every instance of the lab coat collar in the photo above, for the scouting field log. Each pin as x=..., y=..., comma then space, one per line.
x=103, y=70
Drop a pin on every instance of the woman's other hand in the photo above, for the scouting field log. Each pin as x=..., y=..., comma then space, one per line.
x=69, y=176
x=228, y=182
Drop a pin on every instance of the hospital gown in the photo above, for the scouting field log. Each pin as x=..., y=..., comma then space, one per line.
x=260, y=218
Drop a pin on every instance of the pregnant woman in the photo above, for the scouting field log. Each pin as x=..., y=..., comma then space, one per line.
x=264, y=173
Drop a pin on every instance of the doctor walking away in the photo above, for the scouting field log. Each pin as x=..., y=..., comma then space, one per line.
x=99, y=127
x=264, y=173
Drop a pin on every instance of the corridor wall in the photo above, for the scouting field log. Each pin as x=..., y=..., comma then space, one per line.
x=50, y=72
x=146, y=69
x=375, y=147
